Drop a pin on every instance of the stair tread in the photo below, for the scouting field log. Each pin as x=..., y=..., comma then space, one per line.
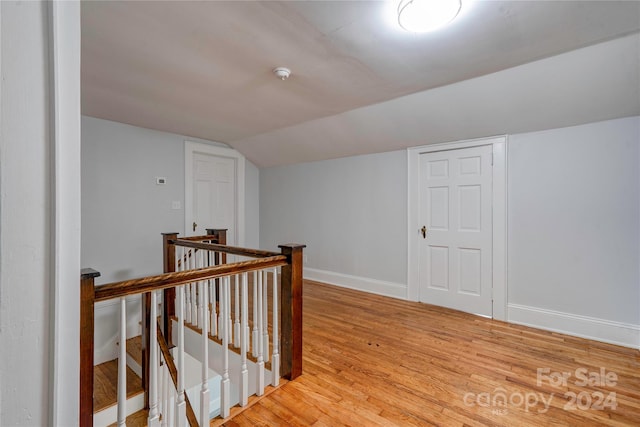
x=137, y=419
x=105, y=385
x=237, y=410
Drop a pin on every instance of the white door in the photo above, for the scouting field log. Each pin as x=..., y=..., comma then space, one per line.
x=214, y=190
x=456, y=238
x=213, y=194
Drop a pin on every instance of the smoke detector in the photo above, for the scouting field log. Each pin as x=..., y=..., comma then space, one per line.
x=282, y=73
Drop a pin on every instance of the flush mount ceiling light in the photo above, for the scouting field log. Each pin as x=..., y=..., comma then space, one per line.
x=420, y=16
x=282, y=73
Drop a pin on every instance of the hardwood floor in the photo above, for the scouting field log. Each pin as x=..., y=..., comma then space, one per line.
x=371, y=360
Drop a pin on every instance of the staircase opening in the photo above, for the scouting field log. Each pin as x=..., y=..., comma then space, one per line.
x=216, y=335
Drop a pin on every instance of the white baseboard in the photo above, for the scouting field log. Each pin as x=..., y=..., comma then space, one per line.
x=618, y=333
x=374, y=286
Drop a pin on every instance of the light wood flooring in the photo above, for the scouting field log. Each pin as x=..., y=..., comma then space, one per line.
x=371, y=360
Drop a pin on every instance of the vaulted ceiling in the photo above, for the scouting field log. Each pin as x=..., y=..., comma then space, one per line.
x=359, y=84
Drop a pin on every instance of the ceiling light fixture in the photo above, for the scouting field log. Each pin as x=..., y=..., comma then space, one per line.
x=282, y=73
x=420, y=16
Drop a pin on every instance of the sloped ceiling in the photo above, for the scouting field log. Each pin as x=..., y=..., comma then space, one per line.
x=359, y=84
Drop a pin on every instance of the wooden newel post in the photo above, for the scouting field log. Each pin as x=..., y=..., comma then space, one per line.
x=169, y=295
x=221, y=234
x=291, y=311
x=87, y=302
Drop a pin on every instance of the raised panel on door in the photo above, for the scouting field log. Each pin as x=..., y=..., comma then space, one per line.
x=202, y=200
x=438, y=268
x=225, y=191
x=470, y=207
x=438, y=214
x=470, y=270
x=455, y=208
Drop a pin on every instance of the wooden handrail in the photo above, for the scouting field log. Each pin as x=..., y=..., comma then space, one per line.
x=290, y=259
x=170, y=280
x=205, y=238
x=173, y=371
x=233, y=250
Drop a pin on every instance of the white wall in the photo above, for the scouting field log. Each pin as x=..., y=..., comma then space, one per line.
x=24, y=215
x=573, y=216
x=124, y=212
x=574, y=225
x=39, y=213
x=351, y=214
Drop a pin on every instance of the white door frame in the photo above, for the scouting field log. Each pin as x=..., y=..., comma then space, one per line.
x=191, y=148
x=499, y=217
x=64, y=100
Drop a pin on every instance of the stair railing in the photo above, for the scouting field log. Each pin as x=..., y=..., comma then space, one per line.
x=196, y=273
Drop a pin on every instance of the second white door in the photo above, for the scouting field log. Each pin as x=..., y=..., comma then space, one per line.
x=456, y=234
x=214, y=195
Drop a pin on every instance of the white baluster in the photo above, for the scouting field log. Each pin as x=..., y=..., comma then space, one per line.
x=210, y=293
x=265, y=316
x=230, y=321
x=204, y=394
x=212, y=297
x=225, y=384
x=275, y=360
x=122, y=365
x=245, y=309
x=254, y=330
x=201, y=301
x=244, y=340
x=160, y=389
x=236, y=324
x=260, y=364
x=214, y=314
x=221, y=311
x=154, y=415
x=187, y=265
x=171, y=402
x=179, y=267
x=194, y=297
x=165, y=391
x=181, y=407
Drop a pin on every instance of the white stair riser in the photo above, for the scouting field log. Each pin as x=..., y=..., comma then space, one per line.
x=109, y=415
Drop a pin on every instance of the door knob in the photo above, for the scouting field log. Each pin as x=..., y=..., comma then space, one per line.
x=194, y=226
x=423, y=230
